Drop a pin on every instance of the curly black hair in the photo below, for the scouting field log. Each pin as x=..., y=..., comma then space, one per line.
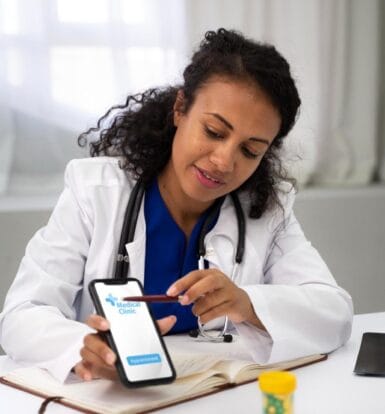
x=143, y=130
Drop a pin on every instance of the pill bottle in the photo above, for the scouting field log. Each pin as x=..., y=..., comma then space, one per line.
x=277, y=392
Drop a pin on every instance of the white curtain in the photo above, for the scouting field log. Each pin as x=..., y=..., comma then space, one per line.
x=64, y=62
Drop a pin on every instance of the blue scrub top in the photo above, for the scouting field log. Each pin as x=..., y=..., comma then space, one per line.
x=169, y=256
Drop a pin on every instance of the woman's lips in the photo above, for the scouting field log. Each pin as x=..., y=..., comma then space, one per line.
x=206, y=179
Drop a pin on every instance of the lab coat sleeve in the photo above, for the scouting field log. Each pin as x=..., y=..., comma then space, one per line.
x=300, y=304
x=38, y=324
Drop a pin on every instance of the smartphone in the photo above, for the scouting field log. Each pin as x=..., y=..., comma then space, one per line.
x=142, y=356
x=371, y=356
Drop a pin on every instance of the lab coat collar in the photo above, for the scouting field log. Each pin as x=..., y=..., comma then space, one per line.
x=226, y=225
x=137, y=248
x=223, y=236
x=221, y=241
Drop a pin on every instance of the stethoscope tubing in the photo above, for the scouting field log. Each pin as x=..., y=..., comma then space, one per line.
x=128, y=229
x=128, y=233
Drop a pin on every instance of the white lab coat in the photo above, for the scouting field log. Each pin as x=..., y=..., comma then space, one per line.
x=290, y=287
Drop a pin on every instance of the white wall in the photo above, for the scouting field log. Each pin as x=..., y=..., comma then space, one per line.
x=348, y=229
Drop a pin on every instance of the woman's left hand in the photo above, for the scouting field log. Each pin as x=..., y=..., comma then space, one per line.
x=214, y=295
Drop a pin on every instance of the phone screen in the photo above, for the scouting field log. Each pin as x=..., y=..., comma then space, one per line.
x=140, y=349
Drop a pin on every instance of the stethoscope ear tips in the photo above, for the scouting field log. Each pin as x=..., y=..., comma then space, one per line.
x=194, y=333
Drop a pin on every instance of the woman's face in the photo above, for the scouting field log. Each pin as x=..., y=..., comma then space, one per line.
x=219, y=142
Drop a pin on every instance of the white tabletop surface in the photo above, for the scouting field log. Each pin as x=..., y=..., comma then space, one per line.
x=328, y=387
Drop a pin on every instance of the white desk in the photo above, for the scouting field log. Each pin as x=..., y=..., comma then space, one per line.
x=328, y=387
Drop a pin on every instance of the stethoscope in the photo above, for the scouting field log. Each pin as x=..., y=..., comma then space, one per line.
x=127, y=236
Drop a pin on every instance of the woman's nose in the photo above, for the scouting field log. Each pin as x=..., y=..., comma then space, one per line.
x=223, y=157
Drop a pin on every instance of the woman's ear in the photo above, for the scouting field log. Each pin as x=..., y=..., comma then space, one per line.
x=178, y=107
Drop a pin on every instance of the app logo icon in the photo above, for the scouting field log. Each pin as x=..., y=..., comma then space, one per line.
x=123, y=308
x=111, y=299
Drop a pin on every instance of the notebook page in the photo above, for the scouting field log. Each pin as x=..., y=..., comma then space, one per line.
x=241, y=371
x=235, y=368
x=110, y=397
x=188, y=364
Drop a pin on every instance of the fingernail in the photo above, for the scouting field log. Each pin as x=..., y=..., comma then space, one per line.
x=103, y=325
x=110, y=359
x=171, y=291
x=87, y=377
x=184, y=300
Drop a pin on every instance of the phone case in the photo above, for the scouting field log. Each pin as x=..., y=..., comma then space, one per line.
x=111, y=343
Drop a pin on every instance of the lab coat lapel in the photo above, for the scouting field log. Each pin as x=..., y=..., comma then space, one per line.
x=221, y=241
x=136, y=250
x=221, y=244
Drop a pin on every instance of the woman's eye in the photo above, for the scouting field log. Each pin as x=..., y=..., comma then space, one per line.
x=212, y=134
x=250, y=154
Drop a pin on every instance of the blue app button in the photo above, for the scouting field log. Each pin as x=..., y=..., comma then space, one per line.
x=143, y=359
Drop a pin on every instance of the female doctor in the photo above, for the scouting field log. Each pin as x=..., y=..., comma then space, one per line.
x=191, y=146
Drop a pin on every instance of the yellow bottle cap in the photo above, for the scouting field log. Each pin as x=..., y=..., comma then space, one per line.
x=277, y=382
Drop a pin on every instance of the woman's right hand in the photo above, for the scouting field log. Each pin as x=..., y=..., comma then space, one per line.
x=98, y=359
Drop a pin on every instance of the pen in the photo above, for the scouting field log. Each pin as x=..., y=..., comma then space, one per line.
x=153, y=298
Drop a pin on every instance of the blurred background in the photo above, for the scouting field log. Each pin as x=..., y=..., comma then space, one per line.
x=63, y=63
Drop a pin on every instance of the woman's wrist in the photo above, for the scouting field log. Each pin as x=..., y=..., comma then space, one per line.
x=251, y=316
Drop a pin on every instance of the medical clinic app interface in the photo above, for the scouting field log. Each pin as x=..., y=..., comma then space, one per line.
x=135, y=336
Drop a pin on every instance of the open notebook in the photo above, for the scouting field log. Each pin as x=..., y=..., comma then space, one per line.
x=202, y=368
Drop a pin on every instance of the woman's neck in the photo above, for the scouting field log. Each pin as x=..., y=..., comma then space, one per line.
x=183, y=210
